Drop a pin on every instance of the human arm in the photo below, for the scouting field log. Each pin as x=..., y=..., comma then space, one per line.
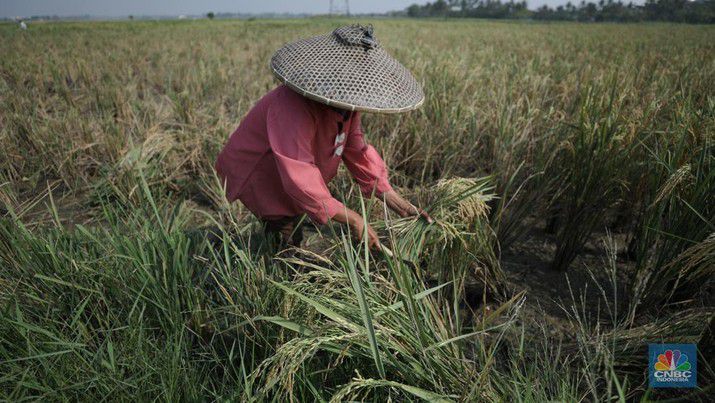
x=370, y=171
x=358, y=226
x=364, y=162
x=291, y=131
x=402, y=207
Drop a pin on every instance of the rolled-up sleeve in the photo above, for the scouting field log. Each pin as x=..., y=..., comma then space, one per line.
x=291, y=131
x=364, y=162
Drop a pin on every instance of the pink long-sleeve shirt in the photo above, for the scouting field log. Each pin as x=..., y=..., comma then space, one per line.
x=287, y=149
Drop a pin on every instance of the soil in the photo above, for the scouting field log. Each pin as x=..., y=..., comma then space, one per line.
x=550, y=294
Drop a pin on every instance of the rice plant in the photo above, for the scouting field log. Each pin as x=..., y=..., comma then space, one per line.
x=674, y=244
x=110, y=288
x=592, y=159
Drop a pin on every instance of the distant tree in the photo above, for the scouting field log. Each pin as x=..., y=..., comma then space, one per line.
x=210, y=15
x=413, y=10
x=440, y=8
x=691, y=11
x=131, y=17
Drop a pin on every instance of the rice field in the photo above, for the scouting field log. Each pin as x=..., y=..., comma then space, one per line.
x=570, y=168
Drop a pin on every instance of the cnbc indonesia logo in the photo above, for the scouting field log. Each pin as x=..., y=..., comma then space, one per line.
x=671, y=367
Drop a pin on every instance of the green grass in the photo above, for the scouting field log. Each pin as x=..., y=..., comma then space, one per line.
x=554, y=134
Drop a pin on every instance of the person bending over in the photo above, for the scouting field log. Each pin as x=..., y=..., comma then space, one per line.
x=290, y=144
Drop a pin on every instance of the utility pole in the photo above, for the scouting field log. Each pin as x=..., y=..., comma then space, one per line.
x=338, y=7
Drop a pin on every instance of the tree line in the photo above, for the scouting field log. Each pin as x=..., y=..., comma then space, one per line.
x=697, y=11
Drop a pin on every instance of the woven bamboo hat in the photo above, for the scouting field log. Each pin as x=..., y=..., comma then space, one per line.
x=348, y=69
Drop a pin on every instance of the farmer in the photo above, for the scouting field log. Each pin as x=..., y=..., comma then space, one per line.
x=292, y=141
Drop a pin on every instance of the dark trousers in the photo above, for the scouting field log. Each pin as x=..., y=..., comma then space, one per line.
x=285, y=231
x=277, y=234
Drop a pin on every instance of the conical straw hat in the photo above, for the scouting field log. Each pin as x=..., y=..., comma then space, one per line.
x=348, y=69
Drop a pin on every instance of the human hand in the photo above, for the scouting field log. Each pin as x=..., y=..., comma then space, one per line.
x=359, y=228
x=404, y=208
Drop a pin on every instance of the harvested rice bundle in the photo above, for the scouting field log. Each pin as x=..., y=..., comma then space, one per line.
x=460, y=237
x=459, y=208
x=462, y=199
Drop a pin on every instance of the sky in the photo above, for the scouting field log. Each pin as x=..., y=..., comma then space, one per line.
x=123, y=8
